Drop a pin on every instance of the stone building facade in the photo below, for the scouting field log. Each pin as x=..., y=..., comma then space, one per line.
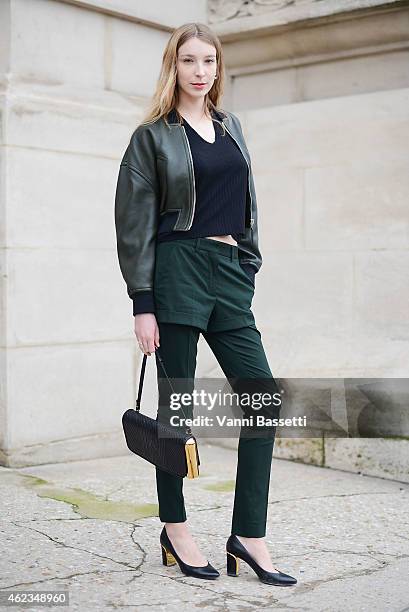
x=322, y=91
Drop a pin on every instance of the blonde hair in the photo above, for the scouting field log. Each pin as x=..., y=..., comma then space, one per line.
x=166, y=95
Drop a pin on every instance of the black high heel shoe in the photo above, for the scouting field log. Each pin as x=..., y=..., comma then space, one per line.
x=235, y=551
x=170, y=557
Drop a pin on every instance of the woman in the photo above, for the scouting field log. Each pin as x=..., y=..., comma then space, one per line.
x=187, y=238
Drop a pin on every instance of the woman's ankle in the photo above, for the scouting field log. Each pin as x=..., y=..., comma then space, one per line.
x=250, y=538
x=180, y=526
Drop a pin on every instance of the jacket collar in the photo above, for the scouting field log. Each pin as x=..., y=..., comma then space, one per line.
x=173, y=118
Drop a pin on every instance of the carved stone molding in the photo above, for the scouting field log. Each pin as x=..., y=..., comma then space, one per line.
x=220, y=11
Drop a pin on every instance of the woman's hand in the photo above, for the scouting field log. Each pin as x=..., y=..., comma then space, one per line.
x=147, y=332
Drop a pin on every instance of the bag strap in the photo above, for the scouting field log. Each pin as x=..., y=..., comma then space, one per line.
x=142, y=375
x=141, y=378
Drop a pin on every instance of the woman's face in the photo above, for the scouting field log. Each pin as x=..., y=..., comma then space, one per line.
x=196, y=63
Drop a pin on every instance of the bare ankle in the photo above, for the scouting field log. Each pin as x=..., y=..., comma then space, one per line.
x=182, y=526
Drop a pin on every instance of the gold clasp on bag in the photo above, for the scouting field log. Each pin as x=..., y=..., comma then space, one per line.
x=191, y=459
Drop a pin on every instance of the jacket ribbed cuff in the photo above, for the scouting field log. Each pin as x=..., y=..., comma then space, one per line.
x=143, y=302
x=250, y=271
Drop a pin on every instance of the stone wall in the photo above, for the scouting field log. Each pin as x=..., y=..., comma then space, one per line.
x=71, y=96
x=322, y=92
x=322, y=89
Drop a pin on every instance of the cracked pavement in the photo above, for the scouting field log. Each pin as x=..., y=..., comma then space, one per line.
x=92, y=528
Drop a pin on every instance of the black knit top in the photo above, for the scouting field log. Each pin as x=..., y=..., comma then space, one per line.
x=220, y=174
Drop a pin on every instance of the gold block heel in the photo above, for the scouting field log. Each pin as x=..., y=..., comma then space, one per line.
x=233, y=565
x=167, y=557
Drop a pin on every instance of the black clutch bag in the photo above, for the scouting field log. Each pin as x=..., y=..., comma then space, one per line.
x=169, y=448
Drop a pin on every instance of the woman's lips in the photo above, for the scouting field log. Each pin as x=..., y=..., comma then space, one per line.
x=198, y=85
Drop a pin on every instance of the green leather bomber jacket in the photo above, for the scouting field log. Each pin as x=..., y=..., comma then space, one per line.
x=156, y=176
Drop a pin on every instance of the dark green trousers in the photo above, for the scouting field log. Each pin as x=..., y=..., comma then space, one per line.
x=236, y=344
x=240, y=354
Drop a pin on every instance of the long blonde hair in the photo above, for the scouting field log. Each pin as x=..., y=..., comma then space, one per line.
x=166, y=95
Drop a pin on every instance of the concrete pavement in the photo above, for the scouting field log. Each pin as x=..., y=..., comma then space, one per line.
x=91, y=528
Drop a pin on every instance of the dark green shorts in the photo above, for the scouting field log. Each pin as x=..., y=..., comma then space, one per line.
x=199, y=282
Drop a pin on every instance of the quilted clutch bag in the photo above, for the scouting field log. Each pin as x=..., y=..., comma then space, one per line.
x=169, y=448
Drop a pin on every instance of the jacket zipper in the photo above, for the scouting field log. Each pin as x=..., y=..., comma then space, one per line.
x=248, y=180
x=190, y=222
